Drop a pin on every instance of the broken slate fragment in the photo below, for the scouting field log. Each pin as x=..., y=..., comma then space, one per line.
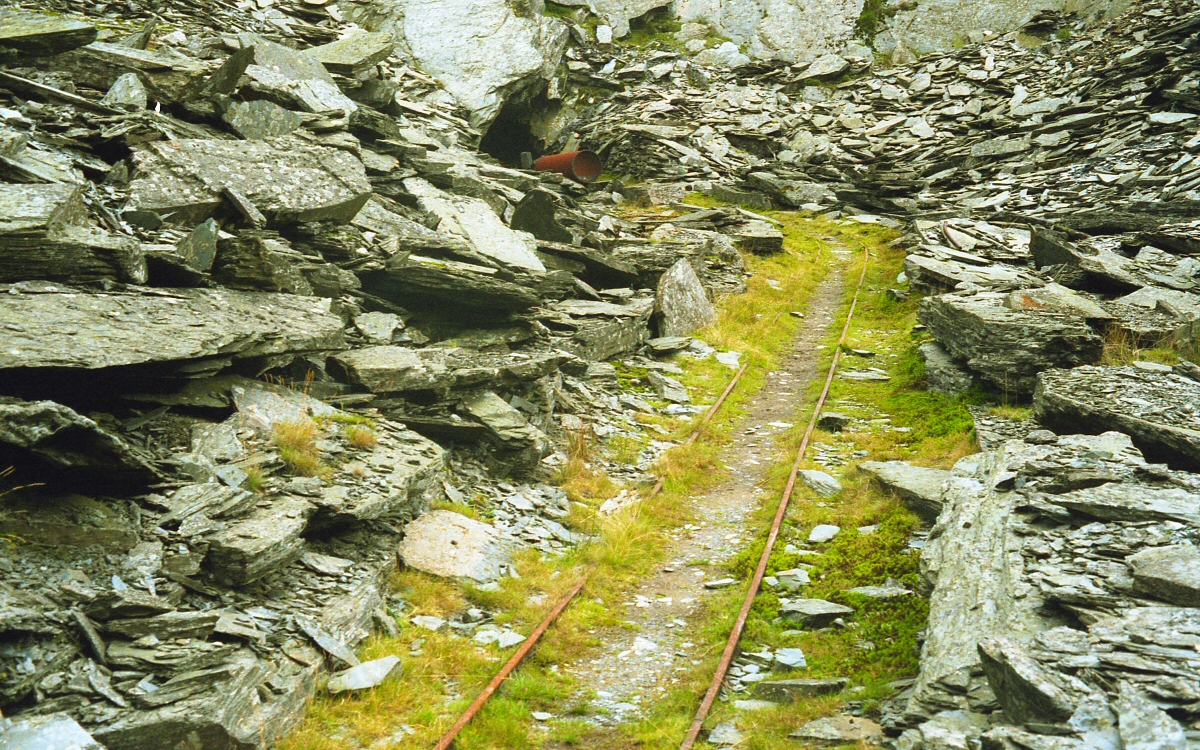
x=367, y=675
x=824, y=484
x=822, y=533
x=668, y=389
x=682, y=302
x=813, y=614
x=920, y=488
x=354, y=53
x=832, y=731
x=259, y=119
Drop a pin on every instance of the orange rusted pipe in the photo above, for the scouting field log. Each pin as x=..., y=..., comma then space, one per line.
x=581, y=166
x=739, y=625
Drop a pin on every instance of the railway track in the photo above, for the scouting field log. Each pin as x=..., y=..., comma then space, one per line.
x=710, y=696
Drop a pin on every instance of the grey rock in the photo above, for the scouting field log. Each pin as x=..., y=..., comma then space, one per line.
x=1026, y=691
x=535, y=214
x=265, y=541
x=126, y=93
x=354, y=53
x=833, y=421
x=1142, y=404
x=952, y=729
x=451, y=286
x=429, y=622
x=483, y=53
x=794, y=579
x=826, y=67
x=1057, y=298
x=787, y=691
x=790, y=658
x=450, y=545
x=668, y=389
x=288, y=76
x=134, y=328
x=1171, y=574
x=56, y=731
x=725, y=734
x=1145, y=726
x=52, y=519
x=824, y=484
x=831, y=731
x=365, y=676
x=72, y=444
x=682, y=302
x=600, y=330
x=168, y=78
x=1006, y=347
x=920, y=488
x=287, y=179
x=889, y=590
x=508, y=428
x=822, y=533
x=813, y=614
x=474, y=220
x=197, y=625
x=35, y=34
x=259, y=119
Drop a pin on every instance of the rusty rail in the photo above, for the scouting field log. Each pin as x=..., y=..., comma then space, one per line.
x=448, y=739
x=739, y=625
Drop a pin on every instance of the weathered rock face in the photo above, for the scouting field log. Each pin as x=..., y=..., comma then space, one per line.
x=1006, y=347
x=1036, y=528
x=1148, y=402
x=480, y=50
x=941, y=24
x=92, y=331
x=787, y=31
x=286, y=179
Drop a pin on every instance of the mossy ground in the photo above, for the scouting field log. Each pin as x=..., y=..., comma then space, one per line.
x=447, y=673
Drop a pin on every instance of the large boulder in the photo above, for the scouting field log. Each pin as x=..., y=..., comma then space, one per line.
x=286, y=179
x=787, y=30
x=1146, y=401
x=450, y=545
x=482, y=51
x=1008, y=348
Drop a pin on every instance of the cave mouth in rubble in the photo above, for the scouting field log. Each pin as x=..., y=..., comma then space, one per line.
x=509, y=135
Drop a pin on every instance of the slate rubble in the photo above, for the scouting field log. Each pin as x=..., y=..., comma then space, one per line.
x=271, y=220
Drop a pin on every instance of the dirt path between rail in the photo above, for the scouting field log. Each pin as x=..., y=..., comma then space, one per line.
x=641, y=663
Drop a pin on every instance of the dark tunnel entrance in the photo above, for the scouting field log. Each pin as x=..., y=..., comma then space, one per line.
x=509, y=135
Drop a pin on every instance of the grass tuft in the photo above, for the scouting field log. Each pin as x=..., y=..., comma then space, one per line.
x=297, y=444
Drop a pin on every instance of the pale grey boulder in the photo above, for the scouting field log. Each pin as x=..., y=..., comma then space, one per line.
x=450, y=545
x=682, y=302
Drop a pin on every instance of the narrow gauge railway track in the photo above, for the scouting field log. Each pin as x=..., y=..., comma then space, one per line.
x=710, y=696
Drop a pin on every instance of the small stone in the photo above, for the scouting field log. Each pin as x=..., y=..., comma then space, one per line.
x=364, y=676
x=822, y=483
x=823, y=533
x=542, y=716
x=720, y=584
x=786, y=691
x=832, y=421
x=725, y=734
x=813, y=614
x=429, y=622
x=791, y=658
